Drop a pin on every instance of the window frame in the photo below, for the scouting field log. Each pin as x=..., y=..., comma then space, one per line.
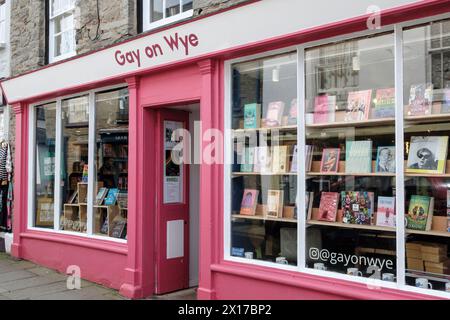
x=400, y=284
x=51, y=34
x=91, y=94
x=4, y=33
x=147, y=25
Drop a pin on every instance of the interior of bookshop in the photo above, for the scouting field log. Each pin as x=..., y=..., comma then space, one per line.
x=353, y=139
x=67, y=154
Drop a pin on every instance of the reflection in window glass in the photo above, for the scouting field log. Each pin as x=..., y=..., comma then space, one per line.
x=350, y=143
x=264, y=174
x=172, y=7
x=111, y=154
x=427, y=180
x=187, y=5
x=45, y=165
x=74, y=164
x=156, y=10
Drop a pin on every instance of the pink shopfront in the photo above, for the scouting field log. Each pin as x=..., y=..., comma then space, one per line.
x=317, y=167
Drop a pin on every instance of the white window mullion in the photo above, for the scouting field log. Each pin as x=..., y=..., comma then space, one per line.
x=301, y=164
x=400, y=165
x=32, y=168
x=164, y=9
x=58, y=155
x=91, y=165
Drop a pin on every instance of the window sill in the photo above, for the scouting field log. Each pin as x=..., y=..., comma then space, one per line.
x=167, y=21
x=61, y=58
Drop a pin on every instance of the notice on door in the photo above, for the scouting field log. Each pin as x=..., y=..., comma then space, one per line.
x=173, y=172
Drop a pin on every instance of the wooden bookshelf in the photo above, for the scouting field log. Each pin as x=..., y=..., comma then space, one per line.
x=428, y=175
x=283, y=128
x=261, y=218
x=428, y=118
x=429, y=233
x=350, y=226
x=366, y=123
x=428, y=275
x=373, y=174
x=240, y=174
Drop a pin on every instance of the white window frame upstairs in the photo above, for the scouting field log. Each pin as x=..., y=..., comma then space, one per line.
x=398, y=31
x=146, y=17
x=52, y=35
x=3, y=23
x=58, y=154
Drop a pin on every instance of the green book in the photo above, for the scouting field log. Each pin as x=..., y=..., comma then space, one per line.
x=248, y=159
x=252, y=116
x=358, y=157
x=420, y=213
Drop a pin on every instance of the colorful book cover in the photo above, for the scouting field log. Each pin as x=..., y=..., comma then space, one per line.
x=428, y=155
x=385, y=160
x=325, y=108
x=249, y=202
x=252, y=116
x=111, y=199
x=122, y=200
x=385, y=104
x=446, y=101
x=102, y=193
x=420, y=213
x=85, y=177
x=386, y=216
x=357, y=207
x=274, y=114
x=280, y=159
x=263, y=161
x=309, y=157
x=293, y=113
x=358, y=157
x=248, y=160
x=329, y=202
x=358, y=106
x=275, y=203
x=330, y=161
x=420, y=99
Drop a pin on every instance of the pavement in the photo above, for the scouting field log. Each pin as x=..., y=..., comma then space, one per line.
x=23, y=280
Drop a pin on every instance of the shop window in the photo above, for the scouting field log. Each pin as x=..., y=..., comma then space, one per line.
x=74, y=164
x=62, y=30
x=264, y=173
x=111, y=154
x=160, y=12
x=65, y=144
x=350, y=141
x=44, y=177
x=427, y=168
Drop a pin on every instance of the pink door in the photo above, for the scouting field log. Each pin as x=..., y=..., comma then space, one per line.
x=172, y=216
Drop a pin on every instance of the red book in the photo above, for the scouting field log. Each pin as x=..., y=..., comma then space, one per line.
x=324, y=111
x=358, y=107
x=249, y=202
x=329, y=202
x=330, y=161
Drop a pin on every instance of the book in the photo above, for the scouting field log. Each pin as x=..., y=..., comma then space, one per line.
x=448, y=220
x=428, y=154
x=280, y=159
x=309, y=200
x=275, y=203
x=274, y=114
x=101, y=195
x=325, y=109
x=293, y=114
x=108, y=150
x=329, y=202
x=249, y=202
x=85, y=177
x=386, y=215
x=330, y=161
x=446, y=101
x=309, y=157
x=358, y=106
x=384, y=104
x=420, y=99
x=358, y=157
x=118, y=229
x=294, y=164
x=420, y=213
x=357, y=207
x=111, y=198
x=122, y=200
x=263, y=160
x=73, y=197
x=252, y=116
x=385, y=160
x=105, y=227
x=248, y=159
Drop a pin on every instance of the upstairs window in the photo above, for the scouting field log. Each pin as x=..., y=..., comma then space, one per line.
x=160, y=12
x=2, y=23
x=62, y=30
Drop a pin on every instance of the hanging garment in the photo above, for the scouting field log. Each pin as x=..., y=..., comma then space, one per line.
x=3, y=158
x=3, y=208
x=9, y=208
